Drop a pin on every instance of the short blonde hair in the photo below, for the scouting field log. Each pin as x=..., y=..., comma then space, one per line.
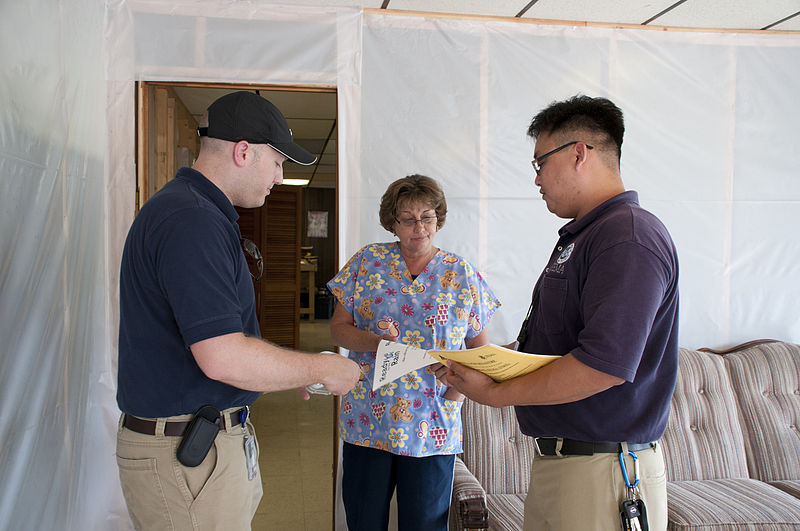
x=412, y=189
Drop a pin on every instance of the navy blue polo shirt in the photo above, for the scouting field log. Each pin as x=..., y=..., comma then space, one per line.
x=183, y=279
x=609, y=295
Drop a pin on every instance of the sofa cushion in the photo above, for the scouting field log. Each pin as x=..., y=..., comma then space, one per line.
x=730, y=504
x=766, y=378
x=495, y=450
x=468, y=508
x=703, y=439
x=506, y=511
x=465, y=485
x=789, y=486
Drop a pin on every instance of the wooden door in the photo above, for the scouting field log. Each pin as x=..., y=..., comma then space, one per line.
x=276, y=230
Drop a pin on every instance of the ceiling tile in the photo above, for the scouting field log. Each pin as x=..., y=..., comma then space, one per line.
x=197, y=100
x=335, y=3
x=310, y=128
x=498, y=8
x=728, y=14
x=611, y=12
x=330, y=149
x=312, y=145
x=792, y=24
x=303, y=104
x=326, y=168
x=328, y=158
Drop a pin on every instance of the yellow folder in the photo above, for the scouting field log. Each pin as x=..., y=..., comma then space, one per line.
x=497, y=362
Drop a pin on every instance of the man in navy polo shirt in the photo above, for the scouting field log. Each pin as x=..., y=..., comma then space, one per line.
x=188, y=335
x=607, y=302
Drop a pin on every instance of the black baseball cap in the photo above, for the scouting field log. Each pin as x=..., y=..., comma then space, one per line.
x=247, y=116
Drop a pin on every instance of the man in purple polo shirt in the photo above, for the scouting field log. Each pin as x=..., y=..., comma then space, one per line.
x=607, y=302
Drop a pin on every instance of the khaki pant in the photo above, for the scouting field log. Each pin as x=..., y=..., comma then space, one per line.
x=162, y=494
x=584, y=492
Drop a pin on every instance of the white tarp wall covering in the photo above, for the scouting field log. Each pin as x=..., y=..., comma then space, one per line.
x=711, y=134
x=56, y=379
x=710, y=121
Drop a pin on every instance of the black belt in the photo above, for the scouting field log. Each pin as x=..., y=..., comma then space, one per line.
x=174, y=428
x=547, y=446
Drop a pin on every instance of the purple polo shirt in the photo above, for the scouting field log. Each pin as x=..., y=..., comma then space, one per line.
x=609, y=295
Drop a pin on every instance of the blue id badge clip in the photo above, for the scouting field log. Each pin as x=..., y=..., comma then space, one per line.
x=633, y=513
x=249, y=445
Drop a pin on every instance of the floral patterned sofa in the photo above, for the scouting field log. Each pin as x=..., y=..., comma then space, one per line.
x=732, y=447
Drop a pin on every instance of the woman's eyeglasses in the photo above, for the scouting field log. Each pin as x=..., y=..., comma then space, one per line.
x=412, y=222
x=252, y=250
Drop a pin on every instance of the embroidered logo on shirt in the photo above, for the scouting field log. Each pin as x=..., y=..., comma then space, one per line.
x=566, y=254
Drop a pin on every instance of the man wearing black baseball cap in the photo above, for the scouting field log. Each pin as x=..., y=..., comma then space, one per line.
x=191, y=360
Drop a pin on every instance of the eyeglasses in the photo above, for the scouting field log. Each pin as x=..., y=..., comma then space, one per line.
x=537, y=162
x=412, y=222
x=252, y=250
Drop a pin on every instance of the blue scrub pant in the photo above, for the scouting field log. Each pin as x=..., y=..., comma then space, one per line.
x=424, y=487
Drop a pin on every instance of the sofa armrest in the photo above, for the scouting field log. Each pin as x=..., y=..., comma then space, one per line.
x=469, y=500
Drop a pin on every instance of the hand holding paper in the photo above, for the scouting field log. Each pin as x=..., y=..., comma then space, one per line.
x=393, y=360
x=499, y=363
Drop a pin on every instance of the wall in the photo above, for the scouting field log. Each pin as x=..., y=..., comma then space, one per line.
x=322, y=199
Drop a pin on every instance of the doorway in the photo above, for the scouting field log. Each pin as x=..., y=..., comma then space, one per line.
x=294, y=230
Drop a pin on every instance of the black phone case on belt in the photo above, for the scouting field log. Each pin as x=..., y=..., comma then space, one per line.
x=199, y=436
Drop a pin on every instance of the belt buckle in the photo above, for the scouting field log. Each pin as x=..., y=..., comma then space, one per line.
x=559, y=446
x=557, y=449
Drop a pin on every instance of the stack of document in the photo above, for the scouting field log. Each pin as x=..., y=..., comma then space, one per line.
x=393, y=360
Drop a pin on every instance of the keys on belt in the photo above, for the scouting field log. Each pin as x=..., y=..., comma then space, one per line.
x=632, y=512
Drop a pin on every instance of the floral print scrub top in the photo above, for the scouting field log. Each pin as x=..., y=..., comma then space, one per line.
x=446, y=304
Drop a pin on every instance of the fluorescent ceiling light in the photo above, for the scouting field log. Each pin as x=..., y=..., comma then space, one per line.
x=296, y=182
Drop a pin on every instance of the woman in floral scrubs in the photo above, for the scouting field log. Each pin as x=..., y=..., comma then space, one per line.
x=405, y=435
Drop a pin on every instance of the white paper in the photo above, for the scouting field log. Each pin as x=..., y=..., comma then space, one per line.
x=393, y=360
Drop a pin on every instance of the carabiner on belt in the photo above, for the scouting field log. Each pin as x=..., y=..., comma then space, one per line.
x=628, y=483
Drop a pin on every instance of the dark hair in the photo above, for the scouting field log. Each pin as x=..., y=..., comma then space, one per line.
x=412, y=189
x=582, y=114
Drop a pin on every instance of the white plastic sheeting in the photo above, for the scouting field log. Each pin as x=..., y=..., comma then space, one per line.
x=56, y=380
x=712, y=130
x=710, y=121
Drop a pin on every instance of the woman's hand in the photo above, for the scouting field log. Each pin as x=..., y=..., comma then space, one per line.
x=453, y=394
x=474, y=384
x=440, y=370
x=390, y=337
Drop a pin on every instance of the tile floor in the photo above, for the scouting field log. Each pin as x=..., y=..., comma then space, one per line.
x=296, y=440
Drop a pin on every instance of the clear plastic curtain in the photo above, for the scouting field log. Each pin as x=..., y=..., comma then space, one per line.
x=710, y=120
x=56, y=378
x=711, y=124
